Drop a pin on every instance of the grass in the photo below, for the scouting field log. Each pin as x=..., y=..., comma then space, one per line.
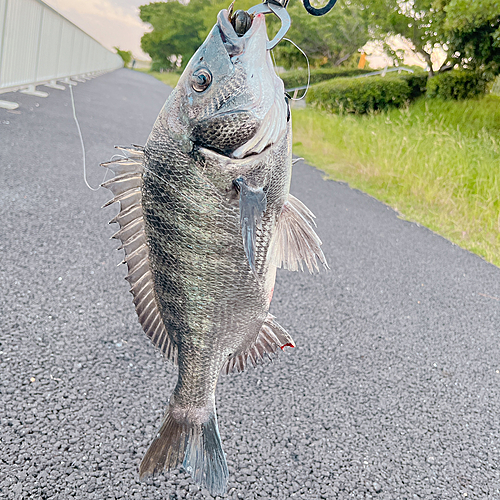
x=436, y=162
x=170, y=78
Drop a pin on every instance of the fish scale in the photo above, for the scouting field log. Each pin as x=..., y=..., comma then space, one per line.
x=218, y=287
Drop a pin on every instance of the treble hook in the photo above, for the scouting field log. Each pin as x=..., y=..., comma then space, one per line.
x=278, y=7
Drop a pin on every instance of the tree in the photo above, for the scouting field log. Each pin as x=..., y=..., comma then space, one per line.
x=180, y=28
x=126, y=55
x=327, y=40
x=468, y=32
x=471, y=31
x=414, y=20
x=175, y=35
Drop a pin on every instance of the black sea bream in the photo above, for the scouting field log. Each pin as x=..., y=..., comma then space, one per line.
x=205, y=219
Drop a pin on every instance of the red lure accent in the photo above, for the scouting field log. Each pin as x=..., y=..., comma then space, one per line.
x=271, y=295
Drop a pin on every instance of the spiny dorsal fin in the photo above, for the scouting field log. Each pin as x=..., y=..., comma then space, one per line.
x=294, y=239
x=271, y=336
x=126, y=188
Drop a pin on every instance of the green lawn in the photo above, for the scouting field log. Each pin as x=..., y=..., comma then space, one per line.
x=169, y=78
x=436, y=162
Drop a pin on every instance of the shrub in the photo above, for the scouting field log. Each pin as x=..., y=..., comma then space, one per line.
x=298, y=78
x=126, y=55
x=417, y=83
x=359, y=95
x=495, y=87
x=456, y=84
x=157, y=66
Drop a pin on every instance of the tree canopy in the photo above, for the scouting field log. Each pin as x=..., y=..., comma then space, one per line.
x=328, y=40
x=468, y=32
x=471, y=31
x=179, y=29
x=176, y=31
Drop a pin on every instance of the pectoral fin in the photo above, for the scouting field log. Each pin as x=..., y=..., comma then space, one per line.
x=253, y=204
x=294, y=239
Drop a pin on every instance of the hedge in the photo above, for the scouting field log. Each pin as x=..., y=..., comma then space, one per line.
x=298, y=78
x=417, y=83
x=495, y=89
x=457, y=84
x=360, y=95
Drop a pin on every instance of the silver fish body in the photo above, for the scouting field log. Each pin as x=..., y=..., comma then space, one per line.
x=206, y=218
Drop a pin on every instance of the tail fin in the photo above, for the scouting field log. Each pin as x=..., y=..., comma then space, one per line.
x=197, y=446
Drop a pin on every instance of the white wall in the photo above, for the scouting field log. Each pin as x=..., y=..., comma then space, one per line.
x=38, y=45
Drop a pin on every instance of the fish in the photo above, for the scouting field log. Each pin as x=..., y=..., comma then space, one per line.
x=205, y=220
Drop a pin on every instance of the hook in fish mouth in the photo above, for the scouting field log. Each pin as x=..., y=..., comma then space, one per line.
x=237, y=29
x=279, y=10
x=240, y=20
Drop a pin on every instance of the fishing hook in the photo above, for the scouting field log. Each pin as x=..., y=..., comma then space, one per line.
x=319, y=12
x=278, y=8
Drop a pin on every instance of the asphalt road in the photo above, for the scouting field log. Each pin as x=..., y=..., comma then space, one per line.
x=392, y=391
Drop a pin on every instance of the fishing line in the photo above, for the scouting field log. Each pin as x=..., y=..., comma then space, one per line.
x=83, y=146
x=274, y=60
x=121, y=157
x=125, y=157
x=308, y=70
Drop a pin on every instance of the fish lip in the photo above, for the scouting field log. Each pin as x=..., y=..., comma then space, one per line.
x=232, y=159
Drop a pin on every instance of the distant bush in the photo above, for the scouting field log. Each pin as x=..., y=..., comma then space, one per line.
x=360, y=95
x=298, y=78
x=126, y=55
x=458, y=84
x=157, y=66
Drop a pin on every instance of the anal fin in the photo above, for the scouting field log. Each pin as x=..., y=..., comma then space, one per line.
x=253, y=204
x=271, y=337
x=294, y=240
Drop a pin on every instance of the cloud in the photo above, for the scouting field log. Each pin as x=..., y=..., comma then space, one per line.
x=108, y=22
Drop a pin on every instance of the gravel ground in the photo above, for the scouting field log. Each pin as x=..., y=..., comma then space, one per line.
x=392, y=391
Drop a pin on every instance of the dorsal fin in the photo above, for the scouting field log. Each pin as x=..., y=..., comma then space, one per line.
x=270, y=338
x=126, y=188
x=294, y=239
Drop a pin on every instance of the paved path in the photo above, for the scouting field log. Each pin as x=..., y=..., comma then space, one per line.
x=392, y=391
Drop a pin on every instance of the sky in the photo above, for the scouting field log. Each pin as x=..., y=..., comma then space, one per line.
x=110, y=22
x=117, y=23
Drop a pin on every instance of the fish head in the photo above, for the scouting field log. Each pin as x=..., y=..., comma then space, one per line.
x=230, y=98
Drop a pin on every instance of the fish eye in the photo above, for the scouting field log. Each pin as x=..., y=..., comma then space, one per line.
x=201, y=79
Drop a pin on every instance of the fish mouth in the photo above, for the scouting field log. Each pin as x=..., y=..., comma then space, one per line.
x=223, y=158
x=266, y=100
x=236, y=43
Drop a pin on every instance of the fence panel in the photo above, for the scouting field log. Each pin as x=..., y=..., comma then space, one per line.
x=37, y=45
x=50, y=45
